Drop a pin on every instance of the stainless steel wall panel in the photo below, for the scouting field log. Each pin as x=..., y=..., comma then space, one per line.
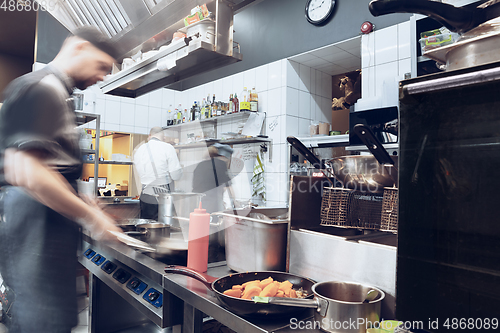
x=325, y=257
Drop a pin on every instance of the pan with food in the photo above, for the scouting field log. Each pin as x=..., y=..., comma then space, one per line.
x=268, y=283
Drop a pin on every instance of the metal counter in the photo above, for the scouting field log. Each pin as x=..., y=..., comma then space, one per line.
x=185, y=300
x=198, y=300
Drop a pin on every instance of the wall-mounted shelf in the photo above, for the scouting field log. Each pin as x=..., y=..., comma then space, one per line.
x=87, y=152
x=233, y=116
x=226, y=142
x=117, y=162
x=111, y=162
x=324, y=141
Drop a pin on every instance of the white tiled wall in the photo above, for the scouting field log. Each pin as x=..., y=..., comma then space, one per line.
x=291, y=94
x=385, y=59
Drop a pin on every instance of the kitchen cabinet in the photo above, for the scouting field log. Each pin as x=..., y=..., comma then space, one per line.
x=115, y=149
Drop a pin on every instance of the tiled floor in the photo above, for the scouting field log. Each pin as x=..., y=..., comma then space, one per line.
x=83, y=307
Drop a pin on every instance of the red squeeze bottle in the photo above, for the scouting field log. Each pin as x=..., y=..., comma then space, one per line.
x=199, y=229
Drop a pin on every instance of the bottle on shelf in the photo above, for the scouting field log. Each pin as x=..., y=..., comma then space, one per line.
x=236, y=104
x=197, y=111
x=203, y=110
x=170, y=116
x=231, y=105
x=185, y=116
x=179, y=114
x=245, y=100
x=219, y=109
x=192, y=112
x=254, y=100
x=213, y=106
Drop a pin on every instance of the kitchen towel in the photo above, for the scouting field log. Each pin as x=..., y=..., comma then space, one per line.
x=258, y=179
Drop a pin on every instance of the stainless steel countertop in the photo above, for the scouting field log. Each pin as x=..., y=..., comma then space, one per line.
x=196, y=294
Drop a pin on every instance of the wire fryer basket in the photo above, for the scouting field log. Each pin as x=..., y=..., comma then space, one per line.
x=390, y=210
x=350, y=209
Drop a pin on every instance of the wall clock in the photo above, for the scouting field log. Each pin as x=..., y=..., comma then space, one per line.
x=319, y=11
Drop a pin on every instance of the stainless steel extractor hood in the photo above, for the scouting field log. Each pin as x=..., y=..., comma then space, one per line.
x=145, y=25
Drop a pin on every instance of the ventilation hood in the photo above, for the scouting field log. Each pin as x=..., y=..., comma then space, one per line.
x=144, y=25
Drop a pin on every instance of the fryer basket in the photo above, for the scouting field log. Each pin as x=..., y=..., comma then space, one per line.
x=348, y=208
x=390, y=210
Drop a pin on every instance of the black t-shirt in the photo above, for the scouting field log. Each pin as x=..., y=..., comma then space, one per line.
x=37, y=245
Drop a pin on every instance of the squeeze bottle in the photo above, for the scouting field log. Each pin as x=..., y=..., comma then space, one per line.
x=199, y=229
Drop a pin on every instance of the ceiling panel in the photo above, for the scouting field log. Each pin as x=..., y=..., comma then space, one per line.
x=334, y=59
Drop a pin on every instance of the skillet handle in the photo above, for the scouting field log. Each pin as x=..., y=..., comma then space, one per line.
x=454, y=18
x=320, y=304
x=297, y=302
x=373, y=144
x=204, y=278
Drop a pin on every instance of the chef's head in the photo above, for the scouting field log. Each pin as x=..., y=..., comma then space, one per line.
x=156, y=132
x=86, y=57
x=223, y=152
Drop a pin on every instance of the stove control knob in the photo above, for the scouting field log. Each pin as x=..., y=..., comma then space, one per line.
x=134, y=284
x=153, y=296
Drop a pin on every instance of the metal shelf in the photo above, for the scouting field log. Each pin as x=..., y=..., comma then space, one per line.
x=323, y=141
x=227, y=117
x=88, y=151
x=226, y=142
x=117, y=162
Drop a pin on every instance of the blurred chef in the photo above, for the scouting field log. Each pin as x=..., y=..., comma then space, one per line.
x=158, y=166
x=40, y=162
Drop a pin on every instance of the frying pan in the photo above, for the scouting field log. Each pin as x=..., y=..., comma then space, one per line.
x=246, y=307
x=458, y=19
x=359, y=172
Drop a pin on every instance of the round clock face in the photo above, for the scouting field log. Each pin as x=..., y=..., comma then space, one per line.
x=318, y=11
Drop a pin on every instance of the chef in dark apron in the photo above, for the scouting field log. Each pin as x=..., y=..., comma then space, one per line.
x=40, y=162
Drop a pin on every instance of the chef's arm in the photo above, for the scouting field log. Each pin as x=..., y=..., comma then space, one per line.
x=27, y=170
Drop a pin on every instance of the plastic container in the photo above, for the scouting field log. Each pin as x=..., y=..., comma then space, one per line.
x=437, y=41
x=203, y=30
x=199, y=230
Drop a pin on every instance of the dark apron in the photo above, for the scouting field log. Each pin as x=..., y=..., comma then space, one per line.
x=38, y=262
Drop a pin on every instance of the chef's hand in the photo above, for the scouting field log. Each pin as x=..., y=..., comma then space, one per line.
x=100, y=225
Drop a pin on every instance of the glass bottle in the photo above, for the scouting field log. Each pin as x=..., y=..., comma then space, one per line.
x=197, y=111
x=236, y=104
x=219, y=109
x=179, y=114
x=203, y=114
x=245, y=100
x=170, y=116
x=254, y=101
x=231, y=105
